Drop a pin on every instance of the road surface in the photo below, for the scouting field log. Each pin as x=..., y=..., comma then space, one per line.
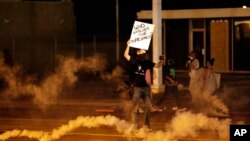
x=95, y=111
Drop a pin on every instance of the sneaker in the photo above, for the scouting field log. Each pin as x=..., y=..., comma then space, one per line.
x=175, y=108
x=156, y=109
x=145, y=128
x=182, y=109
x=140, y=110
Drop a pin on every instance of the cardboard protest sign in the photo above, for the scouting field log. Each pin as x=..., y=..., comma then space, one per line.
x=141, y=35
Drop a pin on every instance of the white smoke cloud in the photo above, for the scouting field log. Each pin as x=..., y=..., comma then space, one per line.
x=47, y=91
x=116, y=73
x=237, y=99
x=203, y=99
x=185, y=124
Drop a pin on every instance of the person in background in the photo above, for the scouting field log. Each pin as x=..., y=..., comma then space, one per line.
x=141, y=82
x=210, y=83
x=8, y=59
x=196, y=77
x=171, y=84
x=8, y=62
x=193, y=63
x=170, y=72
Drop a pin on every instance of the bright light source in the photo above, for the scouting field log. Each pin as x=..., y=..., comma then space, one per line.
x=244, y=6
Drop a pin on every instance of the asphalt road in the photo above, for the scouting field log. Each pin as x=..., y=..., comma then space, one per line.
x=96, y=111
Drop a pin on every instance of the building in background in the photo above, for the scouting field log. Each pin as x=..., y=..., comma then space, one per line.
x=221, y=33
x=36, y=30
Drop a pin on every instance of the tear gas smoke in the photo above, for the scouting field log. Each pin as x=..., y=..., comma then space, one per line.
x=237, y=99
x=185, y=124
x=188, y=124
x=47, y=91
x=116, y=73
x=203, y=98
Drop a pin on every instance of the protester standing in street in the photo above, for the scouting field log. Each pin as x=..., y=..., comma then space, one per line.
x=141, y=81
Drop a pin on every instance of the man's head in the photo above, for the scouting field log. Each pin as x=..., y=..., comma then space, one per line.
x=192, y=55
x=210, y=62
x=141, y=54
x=170, y=62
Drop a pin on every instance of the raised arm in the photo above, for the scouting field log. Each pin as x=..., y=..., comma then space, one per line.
x=126, y=52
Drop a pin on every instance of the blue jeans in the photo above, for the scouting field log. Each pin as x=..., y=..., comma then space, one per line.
x=138, y=93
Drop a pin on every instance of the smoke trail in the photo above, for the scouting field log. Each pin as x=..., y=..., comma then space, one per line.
x=89, y=122
x=185, y=124
x=47, y=91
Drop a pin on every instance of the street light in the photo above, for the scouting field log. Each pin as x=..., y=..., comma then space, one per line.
x=244, y=4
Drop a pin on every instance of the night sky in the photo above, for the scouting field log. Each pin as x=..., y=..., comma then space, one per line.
x=98, y=17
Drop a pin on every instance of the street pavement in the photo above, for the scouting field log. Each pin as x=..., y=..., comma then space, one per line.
x=98, y=110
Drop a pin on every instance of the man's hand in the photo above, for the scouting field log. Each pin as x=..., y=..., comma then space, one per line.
x=129, y=42
x=159, y=64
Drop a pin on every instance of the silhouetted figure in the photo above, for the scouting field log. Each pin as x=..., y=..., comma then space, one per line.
x=8, y=59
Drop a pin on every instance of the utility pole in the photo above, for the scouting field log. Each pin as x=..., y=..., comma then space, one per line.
x=157, y=86
x=117, y=32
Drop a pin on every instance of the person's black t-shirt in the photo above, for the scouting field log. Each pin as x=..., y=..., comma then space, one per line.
x=138, y=70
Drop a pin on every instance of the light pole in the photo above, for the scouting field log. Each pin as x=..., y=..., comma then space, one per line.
x=117, y=31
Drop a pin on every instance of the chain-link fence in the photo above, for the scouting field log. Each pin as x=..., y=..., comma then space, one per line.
x=38, y=54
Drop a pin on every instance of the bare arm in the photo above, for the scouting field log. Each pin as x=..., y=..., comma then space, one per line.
x=126, y=52
x=148, y=77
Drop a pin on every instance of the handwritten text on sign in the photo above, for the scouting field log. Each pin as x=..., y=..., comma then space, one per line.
x=141, y=35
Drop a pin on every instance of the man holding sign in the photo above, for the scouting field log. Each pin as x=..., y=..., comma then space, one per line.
x=141, y=72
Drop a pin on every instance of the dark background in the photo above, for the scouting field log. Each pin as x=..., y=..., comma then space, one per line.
x=34, y=28
x=99, y=17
